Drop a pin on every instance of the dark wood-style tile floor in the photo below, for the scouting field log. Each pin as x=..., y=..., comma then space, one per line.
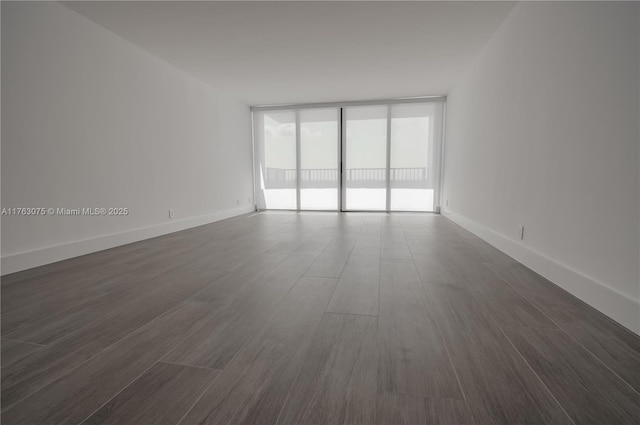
x=311, y=318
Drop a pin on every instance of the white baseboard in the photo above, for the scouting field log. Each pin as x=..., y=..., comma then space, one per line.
x=618, y=306
x=26, y=260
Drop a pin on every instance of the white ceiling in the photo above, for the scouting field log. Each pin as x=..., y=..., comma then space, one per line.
x=294, y=52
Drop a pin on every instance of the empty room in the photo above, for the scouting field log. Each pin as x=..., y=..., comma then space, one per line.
x=320, y=212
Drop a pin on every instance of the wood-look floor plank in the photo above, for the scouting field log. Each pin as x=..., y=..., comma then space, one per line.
x=40, y=274
x=433, y=266
x=82, y=261
x=45, y=321
x=15, y=350
x=215, y=344
x=232, y=285
x=50, y=282
x=160, y=396
x=109, y=257
x=498, y=385
x=400, y=283
x=48, y=287
x=588, y=391
x=511, y=310
x=289, y=243
x=253, y=387
x=73, y=397
x=449, y=316
x=368, y=243
x=33, y=314
x=328, y=264
x=503, y=304
x=332, y=260
x=358, y=288
x=81, y=287
x=412, y=355
x=316, y=243
x=33, y=371
x=393, y=244
x=50, y=328
x=344, y=240
x=403, y=409
x=614, y=345
x=337, y=382
x=453, y=266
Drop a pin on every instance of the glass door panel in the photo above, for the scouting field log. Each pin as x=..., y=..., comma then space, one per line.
x=411, y=131
x=319, y=144
x=383, y=157
x=278, y=175
x=365, y=158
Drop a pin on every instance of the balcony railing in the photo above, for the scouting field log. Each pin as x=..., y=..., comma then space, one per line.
x=279, y=178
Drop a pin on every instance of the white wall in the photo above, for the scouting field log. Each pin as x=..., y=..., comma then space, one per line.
x=543, y=132
x=90, y=120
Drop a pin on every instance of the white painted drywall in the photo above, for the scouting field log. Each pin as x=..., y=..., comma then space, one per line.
x=543, y=132
x=90, y=120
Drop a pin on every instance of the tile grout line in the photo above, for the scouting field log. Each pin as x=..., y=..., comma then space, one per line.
x=492, y=266
x=293, y=381
x=225, y=307
x=275, y=309
x=23, y=342
x=349, y=314
x=325, y=312
x=315, y=332
x=423, y=286
x=204, y=391
x=94, y=287
x=101, y=296
x=211, y=384
x=106, y=315
x=489, y=266
x=273, y=312
x=444, y=343
x=343, y=267
x=183, y=301
x=88, y=359
x=188, y=365
x=118, y=392
x=533, y=371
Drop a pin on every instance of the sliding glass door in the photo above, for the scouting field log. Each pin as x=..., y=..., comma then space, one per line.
x=365, y=158
x=351, y=157
x=277, y=175
x=415, y=157
x=319, y=174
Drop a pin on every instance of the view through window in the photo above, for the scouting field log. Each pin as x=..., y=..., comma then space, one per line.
x=381, y=157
